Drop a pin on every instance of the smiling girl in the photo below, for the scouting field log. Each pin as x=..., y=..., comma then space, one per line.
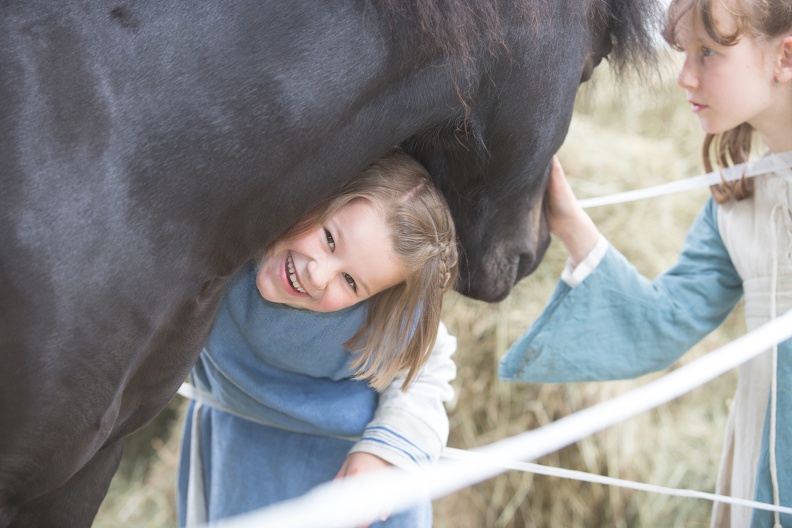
x=605, y=321
x=337, y=264
x=328, y=357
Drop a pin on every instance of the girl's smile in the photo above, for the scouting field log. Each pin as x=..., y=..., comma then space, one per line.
x=292, y=274
x=333, y=266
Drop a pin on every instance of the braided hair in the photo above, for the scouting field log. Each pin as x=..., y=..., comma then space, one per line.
x=402, y=322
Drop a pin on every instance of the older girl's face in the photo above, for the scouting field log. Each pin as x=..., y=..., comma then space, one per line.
x=727, y=85
x=332, y=266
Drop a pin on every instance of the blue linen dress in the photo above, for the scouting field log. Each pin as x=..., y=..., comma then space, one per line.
x=280, y=412
x=617, y=324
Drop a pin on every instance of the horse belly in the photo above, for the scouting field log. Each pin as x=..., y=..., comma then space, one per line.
x=48, y=439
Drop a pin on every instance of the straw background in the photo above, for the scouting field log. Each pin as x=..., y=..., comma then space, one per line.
x=624, y=135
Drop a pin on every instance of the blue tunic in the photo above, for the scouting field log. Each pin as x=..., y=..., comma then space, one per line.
x=617, y=324
x=283, y=411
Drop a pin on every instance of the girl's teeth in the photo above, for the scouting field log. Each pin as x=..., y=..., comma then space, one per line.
x=292, y=275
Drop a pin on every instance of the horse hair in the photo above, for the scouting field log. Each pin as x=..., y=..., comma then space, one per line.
x=457, y=29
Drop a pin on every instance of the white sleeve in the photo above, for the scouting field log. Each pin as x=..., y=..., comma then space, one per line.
x=410, y=429
x=574, y=275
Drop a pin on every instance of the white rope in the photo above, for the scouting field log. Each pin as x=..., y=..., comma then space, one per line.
x=539, y=469
x=774, y=380
x=361, y=498
x=196, y=498
x=763, y=165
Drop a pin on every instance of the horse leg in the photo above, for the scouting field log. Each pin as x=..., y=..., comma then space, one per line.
x=75, y=503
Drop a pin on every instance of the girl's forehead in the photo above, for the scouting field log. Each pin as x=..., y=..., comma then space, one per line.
x=691, y=27
x=724, y=19
x=357, y=210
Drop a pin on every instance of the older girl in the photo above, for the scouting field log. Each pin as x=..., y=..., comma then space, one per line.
x=605, y=321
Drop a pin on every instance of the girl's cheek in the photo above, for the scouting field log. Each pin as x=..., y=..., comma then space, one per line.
x=330, y=302
x=345, y=300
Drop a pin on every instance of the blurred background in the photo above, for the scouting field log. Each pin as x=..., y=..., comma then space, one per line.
x=625, y=134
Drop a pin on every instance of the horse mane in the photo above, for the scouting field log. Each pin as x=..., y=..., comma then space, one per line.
x=460, y=29
x=634, y=30
x=455, y=29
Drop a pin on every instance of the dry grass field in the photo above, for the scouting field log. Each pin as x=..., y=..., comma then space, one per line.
x=623, y=136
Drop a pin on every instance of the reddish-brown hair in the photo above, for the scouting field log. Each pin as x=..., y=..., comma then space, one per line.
x=758, y=19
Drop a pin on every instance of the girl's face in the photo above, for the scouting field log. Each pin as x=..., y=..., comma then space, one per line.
x=726, y=85
x=332, y=266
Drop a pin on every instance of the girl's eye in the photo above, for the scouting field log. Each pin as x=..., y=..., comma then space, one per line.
x=330, y=241
x=707, y=52
x=350, y=280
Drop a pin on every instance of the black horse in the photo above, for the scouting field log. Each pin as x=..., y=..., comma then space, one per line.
x=149, y=147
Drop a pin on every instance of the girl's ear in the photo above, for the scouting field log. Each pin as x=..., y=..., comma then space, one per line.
x=784, y=66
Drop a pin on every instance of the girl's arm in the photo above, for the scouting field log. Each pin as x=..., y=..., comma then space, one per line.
x=568, y=221
x=410, y=429
x=618, y=324
x=574, y=228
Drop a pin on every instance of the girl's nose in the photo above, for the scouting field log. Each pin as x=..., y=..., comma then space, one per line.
x=319, y=273
x=687, y=78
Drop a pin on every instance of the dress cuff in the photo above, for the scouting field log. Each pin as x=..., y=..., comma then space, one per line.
x=574, y=275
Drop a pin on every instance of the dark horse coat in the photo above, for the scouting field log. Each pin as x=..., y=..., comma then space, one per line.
x=149, y=147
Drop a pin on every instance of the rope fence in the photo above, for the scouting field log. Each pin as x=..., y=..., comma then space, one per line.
x=764, y=165
x=359, y=499
x=582, y=476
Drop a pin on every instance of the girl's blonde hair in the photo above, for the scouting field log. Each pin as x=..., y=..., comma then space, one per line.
x=761, y=20
x=402, y=322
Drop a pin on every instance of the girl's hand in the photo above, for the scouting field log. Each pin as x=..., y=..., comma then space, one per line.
x=567, y=220
x=357, y=463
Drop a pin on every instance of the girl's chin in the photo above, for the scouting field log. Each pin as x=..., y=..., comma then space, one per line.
x=263, y=291
x=711, y=126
